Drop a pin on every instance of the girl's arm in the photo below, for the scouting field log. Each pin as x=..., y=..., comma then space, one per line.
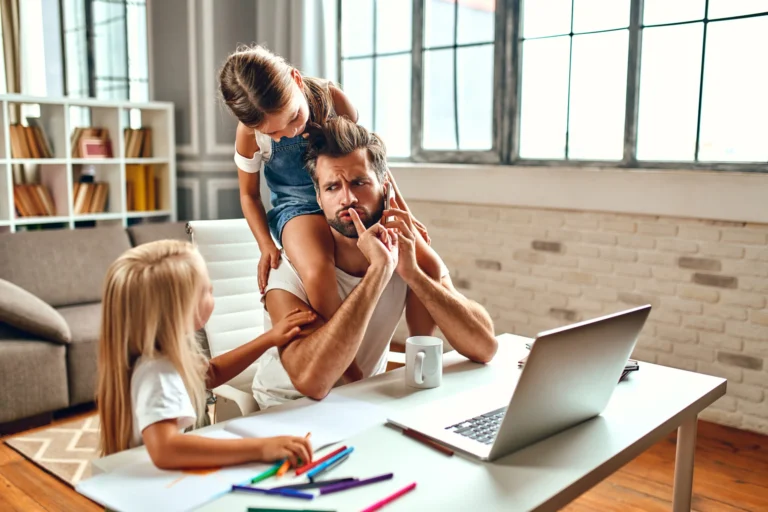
x=223, y=368
x=170, y=449
x=253, y=207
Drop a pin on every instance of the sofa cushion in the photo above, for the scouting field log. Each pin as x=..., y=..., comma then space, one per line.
x=24, y=311
x=82, y=353
x=64, y=266
x=143, y=233
x=33, y=376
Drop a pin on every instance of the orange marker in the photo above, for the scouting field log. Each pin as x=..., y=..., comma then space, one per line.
x=284, y=468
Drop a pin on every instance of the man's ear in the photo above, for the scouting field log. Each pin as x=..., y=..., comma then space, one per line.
x=296, y=75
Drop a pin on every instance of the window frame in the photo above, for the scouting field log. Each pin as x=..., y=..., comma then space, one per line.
x=506, y=102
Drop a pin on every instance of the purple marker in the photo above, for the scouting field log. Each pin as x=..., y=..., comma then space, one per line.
x=351, y=485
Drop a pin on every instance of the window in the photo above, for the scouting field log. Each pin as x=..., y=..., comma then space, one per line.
x=97, y=33
x=574, y=79
x=702, y=94
x=458, y=74
x=633, y=83
x=376, y=67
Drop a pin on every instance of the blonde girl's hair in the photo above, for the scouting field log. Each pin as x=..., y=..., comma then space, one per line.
x=150, y=301
x=255, y=82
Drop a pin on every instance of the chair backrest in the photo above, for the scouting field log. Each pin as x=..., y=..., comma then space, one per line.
x=232, y=256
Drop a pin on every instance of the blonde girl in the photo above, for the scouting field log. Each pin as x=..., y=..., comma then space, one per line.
x=152, y=375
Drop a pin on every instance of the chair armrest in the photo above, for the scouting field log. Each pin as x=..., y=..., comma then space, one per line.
x=231, y=403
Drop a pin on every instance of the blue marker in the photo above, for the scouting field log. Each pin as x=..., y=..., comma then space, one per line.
x=322, y=467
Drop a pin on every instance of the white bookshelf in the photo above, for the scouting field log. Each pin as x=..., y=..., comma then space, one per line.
x=58, y=118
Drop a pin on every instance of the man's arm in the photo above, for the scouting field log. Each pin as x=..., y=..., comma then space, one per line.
x=318, y=357
x=465, y=323
x=321, y=354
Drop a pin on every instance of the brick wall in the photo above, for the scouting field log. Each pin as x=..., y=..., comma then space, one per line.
x=707, y=281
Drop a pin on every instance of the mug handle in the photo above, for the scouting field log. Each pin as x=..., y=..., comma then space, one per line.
x=419, y=368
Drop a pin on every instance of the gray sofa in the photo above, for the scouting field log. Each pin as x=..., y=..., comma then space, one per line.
x=47, y=365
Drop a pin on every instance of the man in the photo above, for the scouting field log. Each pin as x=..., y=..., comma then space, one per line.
x=380, y=272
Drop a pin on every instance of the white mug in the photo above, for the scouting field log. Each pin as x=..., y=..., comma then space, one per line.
x=423, y=362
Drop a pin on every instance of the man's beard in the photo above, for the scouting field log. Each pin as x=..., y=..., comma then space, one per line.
x=348, y=228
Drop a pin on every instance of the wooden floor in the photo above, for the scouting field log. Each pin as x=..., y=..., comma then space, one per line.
x=731, y=474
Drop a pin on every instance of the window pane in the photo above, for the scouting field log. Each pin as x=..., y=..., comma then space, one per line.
x=726, y=8
x=590, y=15
x=666, y=11
x=477, y=21
x=110, y=50
x=598, y=96
x=544, y=101
x=75, y=47
x=734, y=112
x=669, y=92
x=356, y=27
x=475, y=67
x=358, y=86
x=546, y=17
x=438, y=23
x=393, y=25
x=137, y=50
x=393, y=103
x=439, y=122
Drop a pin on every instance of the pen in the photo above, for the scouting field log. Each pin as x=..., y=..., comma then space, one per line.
x=427, y=441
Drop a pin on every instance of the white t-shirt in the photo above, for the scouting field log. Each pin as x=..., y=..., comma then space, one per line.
x=158, y=393
x=256, y=162
x=272, y=385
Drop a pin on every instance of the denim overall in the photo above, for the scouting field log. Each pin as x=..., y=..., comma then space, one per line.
x=291, y=189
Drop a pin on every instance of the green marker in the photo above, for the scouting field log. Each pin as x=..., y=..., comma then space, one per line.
x=268, y=473
x=253, y=509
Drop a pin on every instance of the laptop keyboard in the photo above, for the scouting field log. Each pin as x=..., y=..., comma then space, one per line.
x=481, y=428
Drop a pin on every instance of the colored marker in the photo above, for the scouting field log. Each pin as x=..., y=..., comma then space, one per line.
x=391, y=498
x=268, y=473
x=351, y=485
x=307, y=467
x=315, y=485
x=322, y=467
x=289, y=493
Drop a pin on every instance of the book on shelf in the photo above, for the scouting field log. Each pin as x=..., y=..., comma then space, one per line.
x=91, y=142
x=29, y=141
x=138, y=143
x=141, y=188
x=89, y=197
x=33, y=201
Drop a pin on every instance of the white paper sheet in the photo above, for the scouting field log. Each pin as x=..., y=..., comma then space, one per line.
x=142, y=486
x=330, y=421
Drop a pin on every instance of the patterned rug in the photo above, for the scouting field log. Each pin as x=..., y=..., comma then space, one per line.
x=64, y=450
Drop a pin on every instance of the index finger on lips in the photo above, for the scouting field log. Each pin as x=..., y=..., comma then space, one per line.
x=359, y=227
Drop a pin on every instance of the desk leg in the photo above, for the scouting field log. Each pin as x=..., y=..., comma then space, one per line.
x=686, y=446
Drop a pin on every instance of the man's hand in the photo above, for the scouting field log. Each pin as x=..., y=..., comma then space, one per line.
x=419, y=228
x=403, y=226
x=377, y=243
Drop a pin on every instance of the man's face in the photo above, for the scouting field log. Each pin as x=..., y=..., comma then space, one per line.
x=348, y=182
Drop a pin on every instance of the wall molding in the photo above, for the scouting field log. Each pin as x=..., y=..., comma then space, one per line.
x=211, y=146
x=716, y=195
x=213, y=186
x=195, y=166
x=193, y=185
x=193, y=147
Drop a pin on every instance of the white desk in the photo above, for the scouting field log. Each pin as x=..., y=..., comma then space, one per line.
x=545, y=476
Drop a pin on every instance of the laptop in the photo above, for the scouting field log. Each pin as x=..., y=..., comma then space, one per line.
x=568, y=378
